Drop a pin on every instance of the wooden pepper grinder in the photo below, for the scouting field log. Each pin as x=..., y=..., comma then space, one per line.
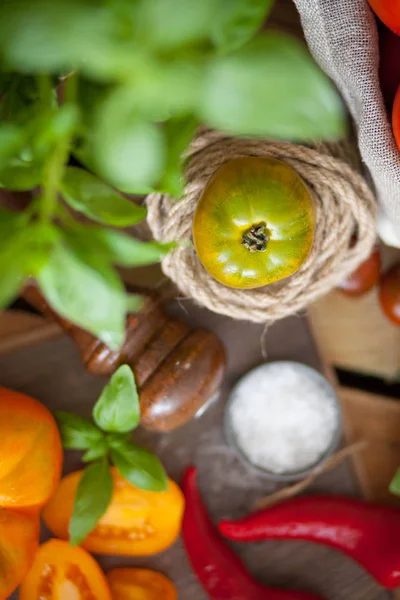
x=177, y=369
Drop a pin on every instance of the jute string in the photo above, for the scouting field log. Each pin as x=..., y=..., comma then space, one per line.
x=344, y=205
x=298, y=487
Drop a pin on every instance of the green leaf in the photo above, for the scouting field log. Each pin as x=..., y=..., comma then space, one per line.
x=97, y=450
x=11, y=141
x=395, y=484
x=117, y=409
x=272, y=87
x=52, y=35
x=128, y=152
x=21, y=176
x=51, y=128
x=126, y=251
x=174, y=23
x=90, y=295
x=97, y=200
x=24, y=250
x=140, y=467
x=238, y=21
x=20, y=101
x=12, y=255
x=135, y=303
x=179, y=132
x=115, y=440
x=12, y=273
x=116, y=247
x=93, y=495
x=76, y=432
x=169, y=86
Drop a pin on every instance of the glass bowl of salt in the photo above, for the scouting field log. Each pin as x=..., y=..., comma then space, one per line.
x=283, y=419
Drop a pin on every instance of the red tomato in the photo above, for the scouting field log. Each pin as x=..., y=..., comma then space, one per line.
x=364, y=278
x=389, y=294
x=389, y=63
x=388, y=11
x=396, y=117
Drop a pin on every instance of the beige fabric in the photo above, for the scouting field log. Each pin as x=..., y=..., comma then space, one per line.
x=342, y=37
x=344, y=203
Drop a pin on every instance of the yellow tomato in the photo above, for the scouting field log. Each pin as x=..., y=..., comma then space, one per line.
x=254, y=223
x=136, y=522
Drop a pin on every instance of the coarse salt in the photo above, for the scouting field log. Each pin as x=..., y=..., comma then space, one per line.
x=283, y=416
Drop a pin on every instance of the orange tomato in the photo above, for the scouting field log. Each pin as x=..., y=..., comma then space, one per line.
x=64, y=572
x=388, y=11
x=132, y=584
x=254, y=223
x=30, y=451
x=19, y=538
x=136, y=523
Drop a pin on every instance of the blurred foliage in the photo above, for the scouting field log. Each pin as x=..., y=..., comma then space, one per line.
x=121, y=85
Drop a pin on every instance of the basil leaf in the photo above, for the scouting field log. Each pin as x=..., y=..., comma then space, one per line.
x=54, y=127
x=12, y=273
x=93, y=495
x=174, y=23
x=179, y=132
x=10, y=223
x=76, y=432
x=12, y=257
x=395, y=484
x=51, y=35
x=90, y=295
x=168, y=88
x=116, y=247
x=21, y=176
x=238, y=21
x=117, y=409
x=97, y=450
x=126, y=251
x=128, y=152
x=20, y=99
x=97, y=200
x=135, y=303
x=140, y=467
x=272, y=87
x=115, y=440
x=11, y=141
x=23, y=251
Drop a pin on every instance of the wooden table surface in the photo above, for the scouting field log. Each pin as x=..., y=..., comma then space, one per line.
x=51, y=371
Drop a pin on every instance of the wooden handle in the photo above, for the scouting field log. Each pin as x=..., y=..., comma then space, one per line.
x=178, y=370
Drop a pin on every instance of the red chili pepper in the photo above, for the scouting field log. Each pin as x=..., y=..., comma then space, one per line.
x=221, y=572
x=368, y=533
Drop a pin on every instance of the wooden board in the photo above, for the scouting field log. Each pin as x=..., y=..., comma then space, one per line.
x=377, y=420
x=354, y=334
x=19, y=329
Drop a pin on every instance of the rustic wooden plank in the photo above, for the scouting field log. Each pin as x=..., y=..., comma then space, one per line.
x=19, y=329
x=377, y=420
x=355, y=335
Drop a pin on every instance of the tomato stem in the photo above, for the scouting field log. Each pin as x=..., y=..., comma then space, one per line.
x=256, y=238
